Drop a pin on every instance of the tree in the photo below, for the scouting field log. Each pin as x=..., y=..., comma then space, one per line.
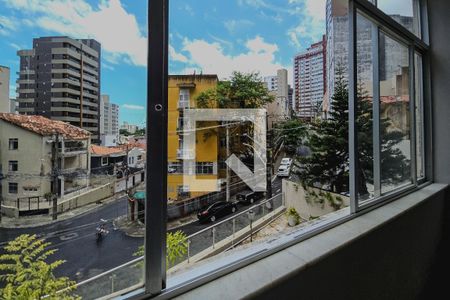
x=293, y=133
x=328, y=141
x=28, y=275
x=242, y=91
x=176, y=247
x=124, y=132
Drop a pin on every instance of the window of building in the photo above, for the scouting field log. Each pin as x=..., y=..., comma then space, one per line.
x=12, y=187
x=104, y=161
x=13, y=166
x=13, y=144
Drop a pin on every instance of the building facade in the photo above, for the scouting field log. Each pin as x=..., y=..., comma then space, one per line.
x=4, y=89
x=279, y=109
x=129, y=127
x=60, y=79
x=310, y=79
x=183, y=90
x=109, y=121
x=35, y=154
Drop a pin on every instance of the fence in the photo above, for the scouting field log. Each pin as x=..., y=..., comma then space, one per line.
x=187, y=207
x=130, y=276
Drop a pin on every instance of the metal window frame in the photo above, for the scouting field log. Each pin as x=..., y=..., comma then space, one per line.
x=382, y=23
x=156, y=170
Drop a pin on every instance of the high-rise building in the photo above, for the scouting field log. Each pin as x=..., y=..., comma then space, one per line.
x=4, y=89
x=271, y=82
x=337, y=48
x=60, y=79
x=109, y=121
x=310, y=79
x=290, y=97
x=279, y=109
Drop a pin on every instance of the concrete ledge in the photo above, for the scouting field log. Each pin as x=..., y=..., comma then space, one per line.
x=383, y=254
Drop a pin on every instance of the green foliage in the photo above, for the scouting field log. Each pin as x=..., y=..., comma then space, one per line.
x=140, y=132
x=124, y=132
x=293, y=133
x=292, y=212
x=328, y=141
x=27, y=274
x=176, y=244
x=243, y=90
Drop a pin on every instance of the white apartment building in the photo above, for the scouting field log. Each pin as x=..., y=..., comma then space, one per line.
x=309, y=80
x=109, y=121
x=129, y=127
x=279, y=109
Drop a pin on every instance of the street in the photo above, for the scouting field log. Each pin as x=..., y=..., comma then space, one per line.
x=76, y=241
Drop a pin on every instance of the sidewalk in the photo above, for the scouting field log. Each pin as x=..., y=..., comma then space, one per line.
x=137, y=228
x=41, y=220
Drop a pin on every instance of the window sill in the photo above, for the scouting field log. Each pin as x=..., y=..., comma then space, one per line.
x=249, y=279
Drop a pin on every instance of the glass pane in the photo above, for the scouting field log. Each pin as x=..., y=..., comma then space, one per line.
x=257, y=120
x=395, y=130
x=364, y=107
x=420, y=142
x=404, y=12
x=71, y=73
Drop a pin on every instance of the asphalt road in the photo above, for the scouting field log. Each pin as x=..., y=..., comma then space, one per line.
x=76, y=241
x=77, y=244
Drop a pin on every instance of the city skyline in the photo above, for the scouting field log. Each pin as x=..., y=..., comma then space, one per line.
x=256, y=33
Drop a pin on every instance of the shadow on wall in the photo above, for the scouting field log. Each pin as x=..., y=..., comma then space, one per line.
x=310, y=202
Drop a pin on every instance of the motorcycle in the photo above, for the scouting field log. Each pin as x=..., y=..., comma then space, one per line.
x=101, y=231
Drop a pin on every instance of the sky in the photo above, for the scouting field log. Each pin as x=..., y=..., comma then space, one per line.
x=208, y=36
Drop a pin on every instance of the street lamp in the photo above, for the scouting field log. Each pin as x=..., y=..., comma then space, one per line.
x=251, y=216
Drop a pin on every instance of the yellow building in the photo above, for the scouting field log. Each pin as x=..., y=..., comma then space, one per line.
x=183, y=90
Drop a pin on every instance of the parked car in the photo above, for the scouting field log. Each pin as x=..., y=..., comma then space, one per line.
x=284, y=171
x=216, y=211
x=286, y=161
x=248, y=197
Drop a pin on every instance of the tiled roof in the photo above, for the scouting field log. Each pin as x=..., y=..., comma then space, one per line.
x=132, y=145
x=46, y=127
x=105, y=151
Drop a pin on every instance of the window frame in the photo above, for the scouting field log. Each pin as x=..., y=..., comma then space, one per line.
x=9, y=188
x=12, y=164
x=13, y=141
x=157, y=106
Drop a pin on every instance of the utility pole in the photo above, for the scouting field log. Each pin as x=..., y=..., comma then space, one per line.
x=55, y=172
x=269, y=159
x=228, y=169
x=126, y=173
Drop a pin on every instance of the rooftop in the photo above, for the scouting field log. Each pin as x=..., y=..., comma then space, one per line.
x=106, y=151
x=46, y=127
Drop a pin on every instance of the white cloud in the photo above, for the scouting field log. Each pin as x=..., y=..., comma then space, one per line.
x=109, y=23
x=211, y=59
x=15, y=46
x=233, y=25
x=174, y=55
x=133, y=107
x=7, y=25
x=312, y=14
